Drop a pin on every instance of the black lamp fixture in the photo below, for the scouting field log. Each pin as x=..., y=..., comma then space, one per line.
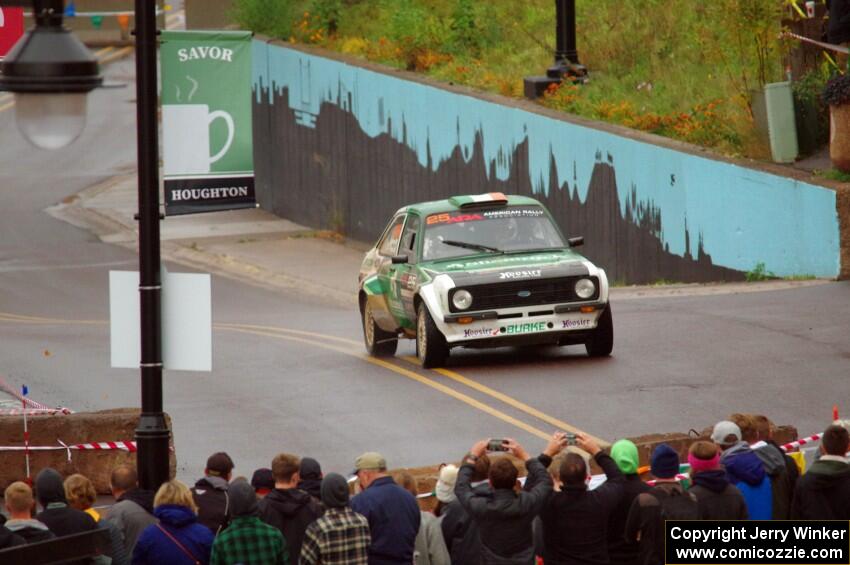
x=567, y=66
x=50, y=72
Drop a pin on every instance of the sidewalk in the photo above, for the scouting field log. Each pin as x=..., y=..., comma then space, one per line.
x=258, y=247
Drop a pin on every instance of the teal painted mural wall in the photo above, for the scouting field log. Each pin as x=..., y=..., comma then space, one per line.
x=739, y=216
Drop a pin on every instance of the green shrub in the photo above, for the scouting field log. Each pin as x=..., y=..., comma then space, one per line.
x=269, y=17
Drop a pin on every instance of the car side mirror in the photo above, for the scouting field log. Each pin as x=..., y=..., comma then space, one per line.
x=576, y=241
x=399, y=259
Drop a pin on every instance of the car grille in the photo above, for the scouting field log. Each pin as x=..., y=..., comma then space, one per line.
x=507, y=294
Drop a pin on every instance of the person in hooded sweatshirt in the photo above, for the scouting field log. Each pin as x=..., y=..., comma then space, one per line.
x=310, y=477
x=460, y=531
x=823, y=493
x=717, y=498
x=744, y=469
x=210, y=492
x=178, y=538
x=620, y=550
x=288, y=508
x=20, y=503
x=773, y=459
x=133, y=508
x=575, y=519
x=248, y=540
x=10, y=539
x=60, y=518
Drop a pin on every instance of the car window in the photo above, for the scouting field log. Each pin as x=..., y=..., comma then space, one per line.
x=512, y=228
x=389, y=245
x=408, y=238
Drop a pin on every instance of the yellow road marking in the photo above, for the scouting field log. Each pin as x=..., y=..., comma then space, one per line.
x=117, y=55
x=103, y=51
x=410, y=375
x=310, y=338
x=510, y=401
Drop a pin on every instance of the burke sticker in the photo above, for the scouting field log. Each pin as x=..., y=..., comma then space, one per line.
x=524, y=328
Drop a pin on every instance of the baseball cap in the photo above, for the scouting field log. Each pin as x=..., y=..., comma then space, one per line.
x=262, y=479
x=371, y=460
x=722, y=431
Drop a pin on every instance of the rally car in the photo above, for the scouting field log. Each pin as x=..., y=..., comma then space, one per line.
x=480, y=271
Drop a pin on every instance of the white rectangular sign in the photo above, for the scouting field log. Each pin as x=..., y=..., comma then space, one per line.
x=186, y=321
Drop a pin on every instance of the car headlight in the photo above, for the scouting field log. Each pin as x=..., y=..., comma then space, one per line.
x=462, y=299
x=585, y=288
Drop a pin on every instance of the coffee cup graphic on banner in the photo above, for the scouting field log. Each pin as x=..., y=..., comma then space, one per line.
x=186, y=138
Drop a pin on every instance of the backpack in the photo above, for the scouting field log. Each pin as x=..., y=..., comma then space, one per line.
x=676, y=505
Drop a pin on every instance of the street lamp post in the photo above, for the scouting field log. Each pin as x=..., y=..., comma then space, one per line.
x=567, y=66
x=152, y=435
x=50, y=71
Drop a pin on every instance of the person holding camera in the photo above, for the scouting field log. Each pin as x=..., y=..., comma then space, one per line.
x=575, y=519
x=505, y=517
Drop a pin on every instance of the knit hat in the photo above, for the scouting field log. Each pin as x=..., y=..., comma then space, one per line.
x=243, y=500
x=49, y=487
x=445, y=488
x=335, y=491
x=664, y=462
x=262, y=479
x=625, y=454
x=310, y=469
x=723, y=432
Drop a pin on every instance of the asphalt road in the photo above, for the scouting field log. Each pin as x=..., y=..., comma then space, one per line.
x=290, y=373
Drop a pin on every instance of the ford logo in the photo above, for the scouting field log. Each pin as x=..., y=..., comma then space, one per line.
x=524, y=293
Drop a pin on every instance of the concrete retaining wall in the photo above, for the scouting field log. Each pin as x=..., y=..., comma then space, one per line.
x=83, y=427
x=342, y=144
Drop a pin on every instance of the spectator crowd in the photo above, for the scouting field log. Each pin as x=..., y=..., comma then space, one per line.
x=292, y=513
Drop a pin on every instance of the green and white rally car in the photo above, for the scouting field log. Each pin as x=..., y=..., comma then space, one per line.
x=480, y=271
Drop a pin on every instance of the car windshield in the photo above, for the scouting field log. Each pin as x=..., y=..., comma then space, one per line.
x=501, y=230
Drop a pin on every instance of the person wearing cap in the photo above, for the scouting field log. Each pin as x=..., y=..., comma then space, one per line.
x=263, y=482
x=620, y=551
x=248, y=540
x=505, y=517
x=57, y=515
x=717, y=498
x=574, y=518
x=744, y=469
x=288, y=508
x=210, y=492
x=444, y=490
x=667, y=500
x=341, y=536
x=823, y=493
x=310, y=477
x=392, y=512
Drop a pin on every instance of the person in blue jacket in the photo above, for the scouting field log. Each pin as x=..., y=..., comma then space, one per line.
x=177, y=538
x=745, y=470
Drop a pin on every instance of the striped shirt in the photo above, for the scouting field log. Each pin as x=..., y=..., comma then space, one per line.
x=340, y=537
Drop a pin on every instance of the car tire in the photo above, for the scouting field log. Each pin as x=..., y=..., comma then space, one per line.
x=379, y=343
x=431, y=347
x=602, y=342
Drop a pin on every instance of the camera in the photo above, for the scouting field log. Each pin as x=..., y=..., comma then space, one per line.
x=497, y=445
x=571, y=438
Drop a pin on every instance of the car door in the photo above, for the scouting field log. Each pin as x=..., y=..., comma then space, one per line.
x=388, y=311
x=404, y=274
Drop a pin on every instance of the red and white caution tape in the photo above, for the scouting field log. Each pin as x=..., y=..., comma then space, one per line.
x=821, y=44
x=33, y=411
x=28, y=402
x=129, y=446
x=791, y=446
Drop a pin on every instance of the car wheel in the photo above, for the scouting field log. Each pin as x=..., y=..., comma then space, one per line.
x=602, y=342
x=378, y=342
x=431, y=347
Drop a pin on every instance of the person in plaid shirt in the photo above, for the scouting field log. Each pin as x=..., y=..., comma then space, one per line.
x=248, y=540
x=341, y=536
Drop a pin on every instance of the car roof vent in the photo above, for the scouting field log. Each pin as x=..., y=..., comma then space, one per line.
x=479, y=200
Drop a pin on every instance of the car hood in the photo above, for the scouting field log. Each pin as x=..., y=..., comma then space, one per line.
x=512, y=266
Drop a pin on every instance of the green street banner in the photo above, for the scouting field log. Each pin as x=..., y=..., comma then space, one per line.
x=206, y=121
